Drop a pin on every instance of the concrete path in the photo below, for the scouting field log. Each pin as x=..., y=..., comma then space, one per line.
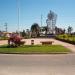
x=67, y=45
x=37, y=64
x=37, y=42
x=3, y=42
x=56, y=42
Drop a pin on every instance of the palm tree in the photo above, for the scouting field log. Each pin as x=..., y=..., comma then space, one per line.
x=45, y=29
x=69, y=29
x=35, y=29
x=23, y=33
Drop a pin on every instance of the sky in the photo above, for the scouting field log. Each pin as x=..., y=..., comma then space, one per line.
x=31, y=10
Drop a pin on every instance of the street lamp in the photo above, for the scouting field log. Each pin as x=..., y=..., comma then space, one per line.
x=18, y=13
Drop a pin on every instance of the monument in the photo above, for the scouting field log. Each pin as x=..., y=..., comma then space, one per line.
x=51, y=22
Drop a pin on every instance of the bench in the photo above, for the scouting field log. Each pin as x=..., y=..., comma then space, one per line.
x=22, y=42
x=46, y=42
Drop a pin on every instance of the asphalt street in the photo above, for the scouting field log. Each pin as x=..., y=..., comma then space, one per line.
x=62, y=64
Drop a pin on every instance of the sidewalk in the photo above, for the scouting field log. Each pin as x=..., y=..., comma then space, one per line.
x=56, y=42
x=67, y=45
x=3, y=42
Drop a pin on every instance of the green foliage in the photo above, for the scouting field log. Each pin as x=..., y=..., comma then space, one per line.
x=69, y=29
x=3, y=38
x=66, y=37
x=23, y=33
x=35, y=29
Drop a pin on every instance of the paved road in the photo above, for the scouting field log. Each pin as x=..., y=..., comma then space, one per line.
x=37, y=64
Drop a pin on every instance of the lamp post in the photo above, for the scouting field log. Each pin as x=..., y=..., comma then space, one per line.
x=41, y=22
x=18, y=14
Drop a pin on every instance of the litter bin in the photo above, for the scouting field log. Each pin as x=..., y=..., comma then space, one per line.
x=32, y=42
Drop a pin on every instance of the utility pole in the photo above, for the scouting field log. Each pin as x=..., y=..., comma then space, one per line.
x=6, y=27
x=41, y=20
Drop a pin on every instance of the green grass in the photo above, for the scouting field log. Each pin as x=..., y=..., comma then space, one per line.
x=35, y=49
x=3, y=38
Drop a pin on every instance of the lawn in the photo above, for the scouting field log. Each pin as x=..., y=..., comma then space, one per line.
x=35, y=49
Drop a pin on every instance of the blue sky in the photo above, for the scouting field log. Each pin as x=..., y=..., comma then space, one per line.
x=31, y=10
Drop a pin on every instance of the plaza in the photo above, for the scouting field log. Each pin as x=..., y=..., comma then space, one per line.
x=37, y=37
x=38, y=40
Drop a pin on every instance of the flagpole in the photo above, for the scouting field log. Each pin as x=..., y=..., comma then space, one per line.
x=18, y=14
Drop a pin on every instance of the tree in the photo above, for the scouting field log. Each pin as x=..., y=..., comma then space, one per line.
x=28, y=33
x=45, y=29
x=69, y=29
x=23, y=33
x=35, y=29
x=15, y=40
x=59, y=30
